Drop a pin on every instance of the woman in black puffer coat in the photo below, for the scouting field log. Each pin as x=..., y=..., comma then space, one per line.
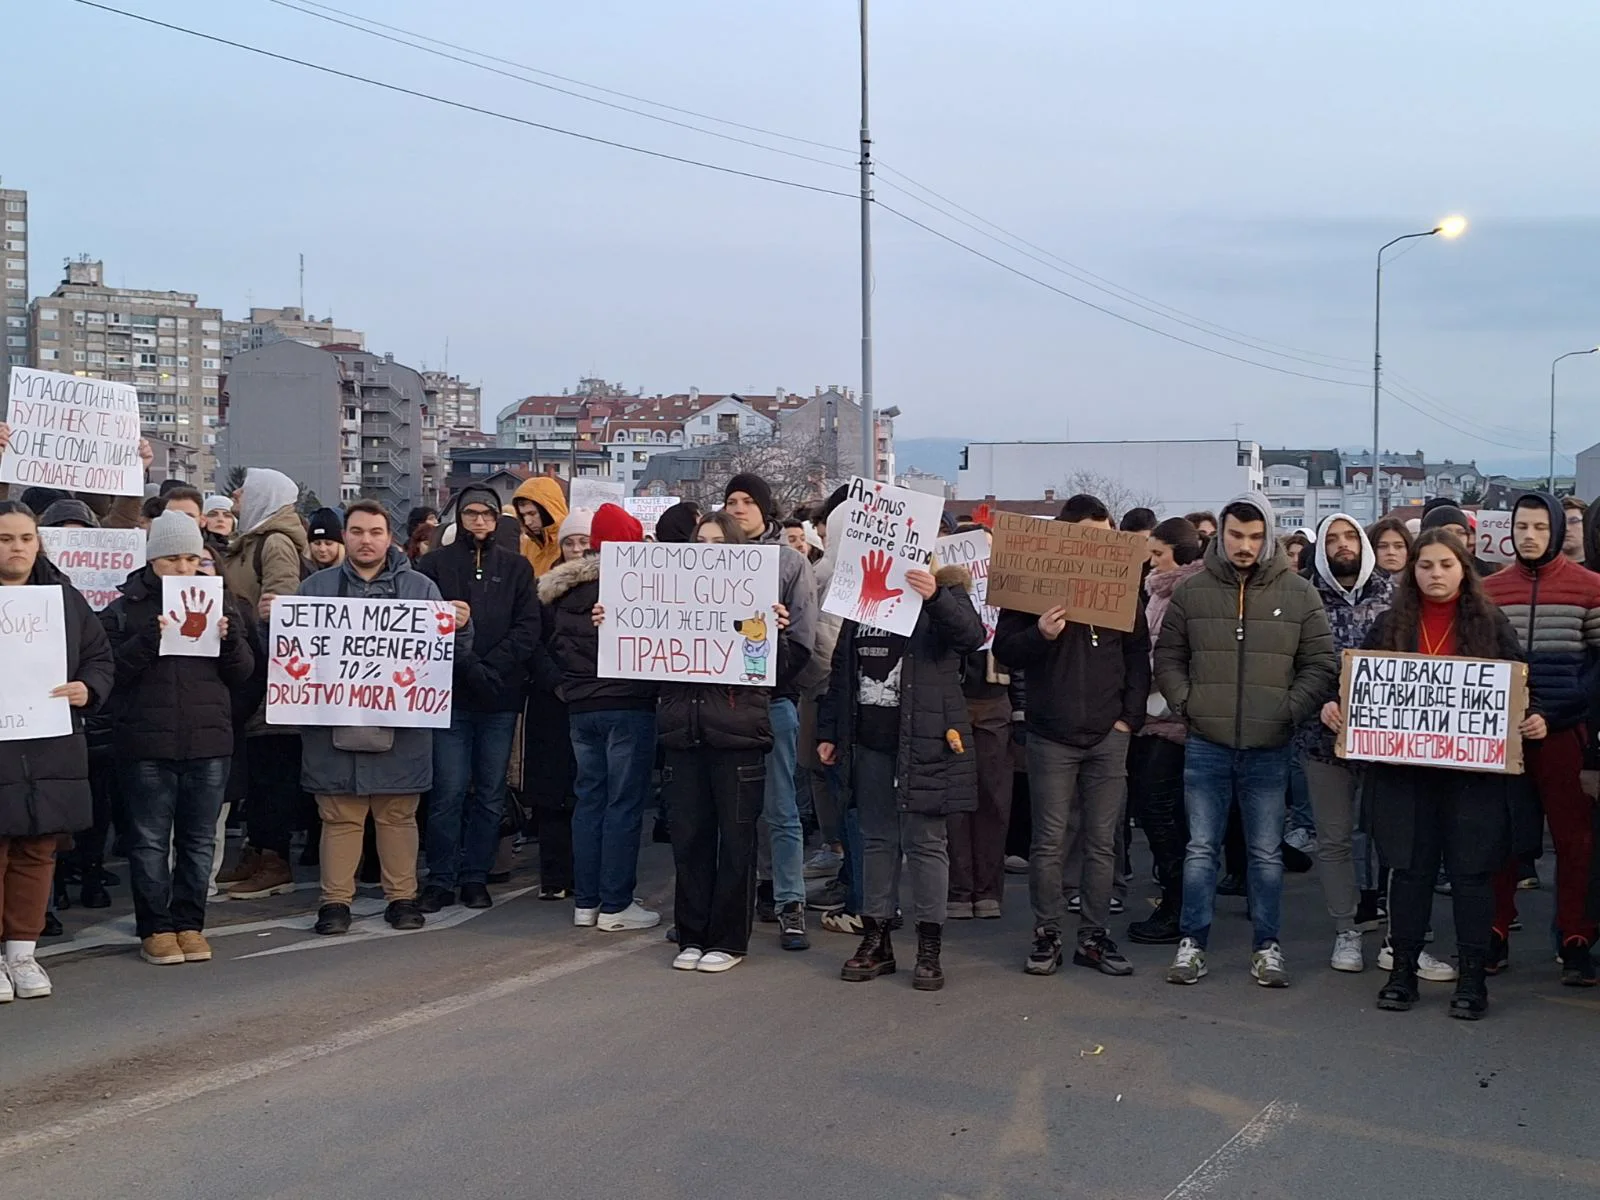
x=894, y=715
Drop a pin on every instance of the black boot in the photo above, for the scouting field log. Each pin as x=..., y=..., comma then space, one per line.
x=63, y=894
x=766, y=908
x=1160, y=928
x=928, y=975
x=874, y=957
x=1400, y=993
x=1471, y=999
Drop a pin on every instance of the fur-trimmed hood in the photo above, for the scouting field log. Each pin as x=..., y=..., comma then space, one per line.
x=559, y=580
x=954, y=576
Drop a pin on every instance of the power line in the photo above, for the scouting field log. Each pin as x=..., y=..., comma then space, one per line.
x=649, y=116
x=1110, y=312
x=463, y=106
x=1399, y=399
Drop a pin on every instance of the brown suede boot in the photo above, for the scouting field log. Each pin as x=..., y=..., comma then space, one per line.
x=249, y=862
x=272, y=877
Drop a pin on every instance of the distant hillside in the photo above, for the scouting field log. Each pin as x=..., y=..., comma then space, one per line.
x=942, y=456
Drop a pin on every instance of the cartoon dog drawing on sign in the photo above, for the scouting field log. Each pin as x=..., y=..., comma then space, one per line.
x=756, y=647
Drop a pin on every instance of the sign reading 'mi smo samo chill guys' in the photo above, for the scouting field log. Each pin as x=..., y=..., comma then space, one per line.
x=72, y=433
x=698, y=612
x=1421, y=710
x=888, y=531
x=347, y=661
x=1036, y=565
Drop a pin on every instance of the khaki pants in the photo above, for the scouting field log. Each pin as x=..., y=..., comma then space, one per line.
x=344, y=819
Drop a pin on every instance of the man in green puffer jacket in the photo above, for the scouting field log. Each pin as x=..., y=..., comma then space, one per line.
x=1244, y=656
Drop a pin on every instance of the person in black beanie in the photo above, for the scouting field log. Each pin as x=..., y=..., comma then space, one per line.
x=325, y=538
x=1439, y=513
x=678, y=523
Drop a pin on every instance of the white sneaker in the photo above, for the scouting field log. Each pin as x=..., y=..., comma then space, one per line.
x=7, y=992
x=1347, y=954
x=718, y=961
x=585, y=918
x=1428, y=967
x=1189, y=964
x=632, y=917
x=28, y=979
x=1016, y=865
x=687, y=960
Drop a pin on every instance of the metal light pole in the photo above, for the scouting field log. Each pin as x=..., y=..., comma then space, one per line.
x=1558, y=358
x=869, y=439
x=1450, y=227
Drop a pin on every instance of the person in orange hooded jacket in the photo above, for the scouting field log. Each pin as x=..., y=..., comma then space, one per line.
x=541, y=507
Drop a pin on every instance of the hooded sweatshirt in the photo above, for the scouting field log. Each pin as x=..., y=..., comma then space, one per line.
x=265, y=558
x=1245, y=657
x=543, y=552
x=1352, y=612
x=1554, y=605
x=65, y=511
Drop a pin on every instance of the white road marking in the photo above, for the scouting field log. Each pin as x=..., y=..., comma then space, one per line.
x=226, y=1077
x=373, y=927
x=1257, y=1132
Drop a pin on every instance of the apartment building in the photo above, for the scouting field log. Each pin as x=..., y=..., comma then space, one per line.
x=456, y=405
x=267, y=325
x=1303, y=485
x=163, y=343
x=14, y=281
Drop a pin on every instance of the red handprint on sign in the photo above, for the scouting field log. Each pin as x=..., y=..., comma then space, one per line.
x=197, y=608
x=875, y=589
x=406, y=677
x=296, y=667
x=447, y=622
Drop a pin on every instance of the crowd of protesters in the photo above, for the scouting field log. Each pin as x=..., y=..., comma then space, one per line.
x=941, y=758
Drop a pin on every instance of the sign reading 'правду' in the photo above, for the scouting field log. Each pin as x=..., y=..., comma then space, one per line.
x=73, y=433
x=1425, y=711
x=1036, y=565
x=385, y=663
x=696, y=612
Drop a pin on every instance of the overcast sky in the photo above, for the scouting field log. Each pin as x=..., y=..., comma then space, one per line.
x=1240, y=161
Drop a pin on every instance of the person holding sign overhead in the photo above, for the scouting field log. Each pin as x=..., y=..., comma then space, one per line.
x=172, y=731
x=44, y=779
x=1422, y=815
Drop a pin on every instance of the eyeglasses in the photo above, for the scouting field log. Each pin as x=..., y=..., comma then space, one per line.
x=479, y=514
x=1574, y=518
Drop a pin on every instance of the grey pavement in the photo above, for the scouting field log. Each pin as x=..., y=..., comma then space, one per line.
x=513, y=1055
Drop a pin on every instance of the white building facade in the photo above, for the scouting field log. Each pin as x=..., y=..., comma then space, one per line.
x=1172, y=477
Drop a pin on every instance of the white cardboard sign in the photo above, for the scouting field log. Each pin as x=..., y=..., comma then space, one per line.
x=97, y=561
x=588, y=492
x=1492, y=539
x=33, y=647
x=887, y=531
x=193, y=608
x=1428, y=711
x=693, y=612
x=648, y=509
x=347, y=661
x=73, y=433
x=971, y=550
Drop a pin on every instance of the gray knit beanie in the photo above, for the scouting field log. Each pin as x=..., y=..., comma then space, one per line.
x=173, y=533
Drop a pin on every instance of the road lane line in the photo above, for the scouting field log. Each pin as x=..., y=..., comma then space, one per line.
x=1257, y=1132
x=226, y=1077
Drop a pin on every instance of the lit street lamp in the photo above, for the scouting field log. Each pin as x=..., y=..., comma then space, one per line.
x=1558, y=358
x=1450, y=227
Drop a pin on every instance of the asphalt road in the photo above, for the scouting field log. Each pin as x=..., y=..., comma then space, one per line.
x=513, y=1055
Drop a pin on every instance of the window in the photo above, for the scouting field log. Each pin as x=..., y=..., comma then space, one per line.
x=49, y=335
x=16, y=322
x=209, y=382
x=183, y=322
x=16, y=285
x=96, y=359
x=183, y=343
x=16, y=264
x=210, y=327
x=641, y=456
x=16, y=206
x=16, y=244
x=77, y=317
x=705, y=420
x=16, y=227
x=211, y=364
x=95, y=318
x=14, y=340
x=167, y=323
x=165, y=343
x=144, y=321
x=165, y=360
x=147, y=360
x=49, y=355
x=116, y=318
x=211, y=344
x=183, y=381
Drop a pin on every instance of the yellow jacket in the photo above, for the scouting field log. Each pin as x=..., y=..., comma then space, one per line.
x=545, y=491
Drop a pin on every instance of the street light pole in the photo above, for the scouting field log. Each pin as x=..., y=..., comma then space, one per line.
x=1558, y=358
x=1450, y=227
x=869, y=440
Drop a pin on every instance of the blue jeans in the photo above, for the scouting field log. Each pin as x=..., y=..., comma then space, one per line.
x=468, y=797
x=780, y=811
x=172, y=806
x=1301, y=815
x=615, y=751
x=1212, y=776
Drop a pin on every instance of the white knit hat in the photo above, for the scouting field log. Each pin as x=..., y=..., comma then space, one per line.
x=579, y=520
x=173, y=533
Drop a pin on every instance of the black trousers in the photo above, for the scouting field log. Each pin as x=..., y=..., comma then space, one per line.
x=713, y=799
x=1155, y=796
x=1439, y=834
x=547, y=773
x=273, y=799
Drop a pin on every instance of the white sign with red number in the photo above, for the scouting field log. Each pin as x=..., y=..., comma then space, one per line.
x=888, y=531
x=1492, y=540
x=344, y=661
x=971, y=550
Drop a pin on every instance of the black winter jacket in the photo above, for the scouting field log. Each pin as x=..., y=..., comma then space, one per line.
x=44, y=782
x=714, y=716
x=173, y=708
x=569, y=593
x=931, y=777
x=1081, y=684
x=505, y=620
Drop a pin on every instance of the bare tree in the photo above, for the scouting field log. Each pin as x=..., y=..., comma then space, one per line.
x=1116, y=494
x=792, y=464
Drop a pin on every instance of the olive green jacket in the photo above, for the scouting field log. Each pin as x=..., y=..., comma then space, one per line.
x=1244, y=658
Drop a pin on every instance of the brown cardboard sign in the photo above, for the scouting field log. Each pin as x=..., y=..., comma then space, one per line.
x=1036, y=565
x=1426, y=710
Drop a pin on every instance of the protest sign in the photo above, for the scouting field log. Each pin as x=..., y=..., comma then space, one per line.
x=385, y=663
x=589, y=492
x=648, y=509
x=1492, y=539
x=1425, y=711
x=971, y=550
x=73, y=433
x=96, y=560
x=698, y=612
x=886, y=531
x=33, y=647
x=193, y=607
x=1036, y=565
